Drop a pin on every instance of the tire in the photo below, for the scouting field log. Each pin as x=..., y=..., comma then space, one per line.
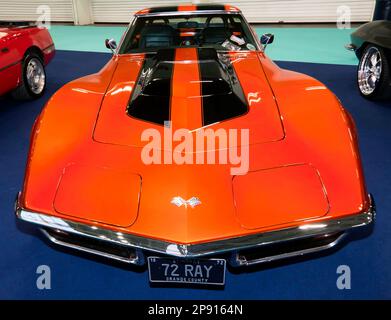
x=33, y=83
x=373, y=74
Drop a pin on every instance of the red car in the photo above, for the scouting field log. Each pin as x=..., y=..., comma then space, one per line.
x=25, y=50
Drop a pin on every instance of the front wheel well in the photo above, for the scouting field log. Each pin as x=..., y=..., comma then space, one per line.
x=360, y=50
x=365, y=44
x=24, y=90
x=36, y=51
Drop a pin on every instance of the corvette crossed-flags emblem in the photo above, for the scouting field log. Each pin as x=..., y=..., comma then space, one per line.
x=192, y=202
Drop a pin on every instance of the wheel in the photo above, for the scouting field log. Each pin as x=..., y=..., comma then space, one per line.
x=373, y=76
x=33, y=82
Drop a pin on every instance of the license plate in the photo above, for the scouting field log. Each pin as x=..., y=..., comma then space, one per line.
x=196, y=271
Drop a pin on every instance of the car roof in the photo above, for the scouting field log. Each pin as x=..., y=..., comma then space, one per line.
x=185, y=8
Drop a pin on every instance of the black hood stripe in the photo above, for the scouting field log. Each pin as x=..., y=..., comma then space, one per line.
x=222, y=95
x=151, y=98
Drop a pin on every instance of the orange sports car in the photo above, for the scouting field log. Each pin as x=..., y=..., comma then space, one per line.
x=191, y=150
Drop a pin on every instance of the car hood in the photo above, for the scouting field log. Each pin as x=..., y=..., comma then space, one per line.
x=193, y=89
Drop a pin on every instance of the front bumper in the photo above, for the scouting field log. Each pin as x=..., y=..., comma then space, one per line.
x=244, y=250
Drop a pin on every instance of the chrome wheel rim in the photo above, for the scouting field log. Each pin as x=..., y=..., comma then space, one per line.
x=35, y=75
x=369, y=71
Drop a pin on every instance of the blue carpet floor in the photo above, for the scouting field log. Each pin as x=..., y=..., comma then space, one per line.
x=75, y=275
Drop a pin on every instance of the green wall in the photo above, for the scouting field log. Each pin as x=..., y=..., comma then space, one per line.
x=319, y=45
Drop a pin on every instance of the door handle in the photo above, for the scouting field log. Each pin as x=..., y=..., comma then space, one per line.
x=4, y=50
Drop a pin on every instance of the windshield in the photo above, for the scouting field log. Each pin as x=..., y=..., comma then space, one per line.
x=226, y=32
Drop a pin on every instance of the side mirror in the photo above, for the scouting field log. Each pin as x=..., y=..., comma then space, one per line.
x=267, y=38
x=111, y=44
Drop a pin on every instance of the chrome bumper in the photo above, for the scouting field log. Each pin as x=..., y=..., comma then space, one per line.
x=311, y=237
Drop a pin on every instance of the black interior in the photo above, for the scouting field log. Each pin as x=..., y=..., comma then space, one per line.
x=152, y=33
x=212, y=35
x=165, y=36
x=188, y=25
x=157, y=35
